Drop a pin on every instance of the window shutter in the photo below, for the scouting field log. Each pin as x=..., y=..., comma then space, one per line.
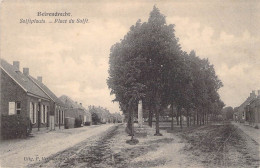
x=11, y=108
x=42, y=113
x=35, y=110
x=31, y=112
x=45, y=114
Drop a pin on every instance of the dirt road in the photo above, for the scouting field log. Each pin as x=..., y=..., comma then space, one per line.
x=21, y=152
x=111, y=150
x=221, y=146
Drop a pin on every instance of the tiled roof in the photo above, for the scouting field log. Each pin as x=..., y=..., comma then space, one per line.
x=48, y=91
x=22, y=80
x=71, y=104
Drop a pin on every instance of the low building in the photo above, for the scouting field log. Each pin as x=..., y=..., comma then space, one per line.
x=75, y=110
x=57, y=107
x=240, y=113
x=21, y=96
x=252, y=110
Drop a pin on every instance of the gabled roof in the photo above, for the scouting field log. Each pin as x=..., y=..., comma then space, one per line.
x=47, y=91
x=22, y=80
x=72, y=104
x=244, y=104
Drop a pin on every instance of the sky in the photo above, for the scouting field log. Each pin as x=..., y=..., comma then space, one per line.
x=73, y=58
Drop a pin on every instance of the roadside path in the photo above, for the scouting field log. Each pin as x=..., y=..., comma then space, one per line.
x=250, y=131
x=21, y=152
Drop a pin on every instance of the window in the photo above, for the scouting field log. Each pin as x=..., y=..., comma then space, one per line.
x=42, y=119
x=62, y=117
x=57, y=117
x=31, y=112
x=14, y=108
x=18, y=107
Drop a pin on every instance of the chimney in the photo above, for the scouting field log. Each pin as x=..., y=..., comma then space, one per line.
x=39, y=78
x=253, y=93
x=26, y=71
x=16, y=64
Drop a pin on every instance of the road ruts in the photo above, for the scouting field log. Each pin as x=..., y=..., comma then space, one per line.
x=94, y=153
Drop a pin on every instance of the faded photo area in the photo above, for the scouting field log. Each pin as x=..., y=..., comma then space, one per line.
x=130, y=83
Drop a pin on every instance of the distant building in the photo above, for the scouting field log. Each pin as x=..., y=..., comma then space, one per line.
x=21, y=94
x=102, y=113
x=75, y=110
x=252, y=110
x=248, y=112
x=240, y=113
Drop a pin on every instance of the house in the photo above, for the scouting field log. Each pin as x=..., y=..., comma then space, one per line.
x=75, y=110
x=103, y=114
x=24, y=95
x=57, y=107
x=240, y=113
x=252, y=110
x=21, y=96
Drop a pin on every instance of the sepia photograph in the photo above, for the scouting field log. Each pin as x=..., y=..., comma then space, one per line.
x=130, y=83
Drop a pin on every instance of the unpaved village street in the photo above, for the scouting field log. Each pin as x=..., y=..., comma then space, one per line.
x=215, y=145
x=21, y=152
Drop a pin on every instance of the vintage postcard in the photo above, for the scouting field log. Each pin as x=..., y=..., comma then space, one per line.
x=112, y=83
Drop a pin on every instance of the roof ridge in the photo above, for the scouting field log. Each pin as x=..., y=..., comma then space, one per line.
x=30, y=77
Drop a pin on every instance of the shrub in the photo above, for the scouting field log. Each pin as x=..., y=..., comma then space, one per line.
x=78, y=122
x=256, y=127
x=95, y=118
x=87, y=123
x=15, y=126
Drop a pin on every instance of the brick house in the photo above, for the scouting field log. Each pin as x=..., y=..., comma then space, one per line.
x=21, y=96
x=75, y=110
x=252, y=110
x=240, y=112
x=57, y=107
x=24, y=95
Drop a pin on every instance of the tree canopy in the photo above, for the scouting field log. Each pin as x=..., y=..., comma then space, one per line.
x=148, y=64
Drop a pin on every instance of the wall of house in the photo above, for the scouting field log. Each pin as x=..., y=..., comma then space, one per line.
x=46, y=103
x=60, y=112
x=12, y=92
x=78, y=113
x=255, y=112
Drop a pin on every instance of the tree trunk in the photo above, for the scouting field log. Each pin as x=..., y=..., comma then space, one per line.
x=197, y=117
x=150, y=117
x=180, y=117
x=129, y=123
x=157, y=115
x=203, y=116
x=132, y=123
x=177, y=117
x=172, y=118
x=200, y=118
x=194, y=117
x=188, y=118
